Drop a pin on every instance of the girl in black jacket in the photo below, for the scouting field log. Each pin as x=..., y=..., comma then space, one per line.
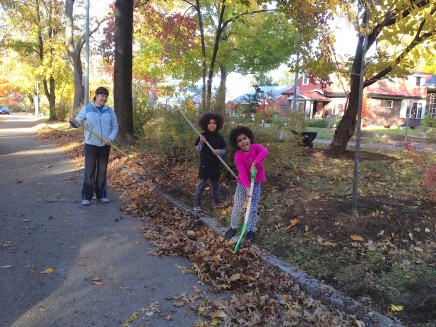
x=210, y=165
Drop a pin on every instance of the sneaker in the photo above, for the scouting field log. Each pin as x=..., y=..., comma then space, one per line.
x=250, y=236
x=104, y=200
x=230, y=233
x=198, y=209
x=86, y=202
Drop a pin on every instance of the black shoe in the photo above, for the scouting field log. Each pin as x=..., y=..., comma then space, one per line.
x=230, y=233
x=250, y=236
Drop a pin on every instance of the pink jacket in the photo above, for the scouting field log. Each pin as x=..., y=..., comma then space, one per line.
x=244, y=160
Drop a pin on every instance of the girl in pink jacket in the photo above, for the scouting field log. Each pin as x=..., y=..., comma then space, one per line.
x=248, y=156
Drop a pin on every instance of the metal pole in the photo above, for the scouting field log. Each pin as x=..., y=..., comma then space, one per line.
x=359, y=114
x=294, y=102
x=86, y=81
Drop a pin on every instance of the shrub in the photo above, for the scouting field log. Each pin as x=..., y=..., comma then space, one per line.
x=171, y=134
x=319, y=123
x=427, y=121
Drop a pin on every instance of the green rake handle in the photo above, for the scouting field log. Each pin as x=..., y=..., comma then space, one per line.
x=247, y=211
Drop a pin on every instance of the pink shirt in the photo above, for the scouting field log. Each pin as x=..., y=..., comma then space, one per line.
x=244, y=160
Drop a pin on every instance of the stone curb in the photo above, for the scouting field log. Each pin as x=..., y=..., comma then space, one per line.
x=315, y=288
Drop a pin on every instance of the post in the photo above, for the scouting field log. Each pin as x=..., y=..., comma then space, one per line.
x=359, y=115
x=86, y=81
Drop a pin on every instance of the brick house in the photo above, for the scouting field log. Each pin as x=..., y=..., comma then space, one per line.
x=385, y=103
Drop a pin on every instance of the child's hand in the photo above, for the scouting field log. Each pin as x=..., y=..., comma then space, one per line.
x=253, y=166
x=247, y=194
x=216, y=152
x=202, y=139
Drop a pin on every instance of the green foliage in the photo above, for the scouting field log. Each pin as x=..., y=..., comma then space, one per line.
x=427, y=121
x=142, y=115
x=319, y=123
x=171, y=134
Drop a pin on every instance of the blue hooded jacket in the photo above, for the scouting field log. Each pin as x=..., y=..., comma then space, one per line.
x=103, y=123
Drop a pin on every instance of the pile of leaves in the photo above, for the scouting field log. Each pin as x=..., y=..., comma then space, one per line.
x=261, y=296
x=383, y=258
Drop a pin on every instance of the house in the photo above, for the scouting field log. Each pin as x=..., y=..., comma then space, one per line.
x=313, y=100
x=430, y=85
x=387, y=102
x=261, y=99
x=392, y=102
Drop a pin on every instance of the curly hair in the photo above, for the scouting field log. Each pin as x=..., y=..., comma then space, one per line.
x=234, y=133
x=205, y=118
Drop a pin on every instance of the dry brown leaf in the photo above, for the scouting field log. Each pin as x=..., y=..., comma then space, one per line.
x=356, y=238
x=180, y=304
x=97, y=283
x=294, y=222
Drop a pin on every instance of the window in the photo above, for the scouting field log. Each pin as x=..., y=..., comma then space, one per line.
x=418, y=80
x=416, y=110
x=305, y=80
x=389, y=104
x=300, y=106
x=432, y=106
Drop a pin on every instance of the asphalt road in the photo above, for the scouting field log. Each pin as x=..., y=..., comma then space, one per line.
x=98, y=267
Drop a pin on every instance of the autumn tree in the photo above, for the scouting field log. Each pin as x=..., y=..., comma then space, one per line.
x=41, y=20
x=396, y=30
x=75, y=40
x=255, y=44
x=213, y=18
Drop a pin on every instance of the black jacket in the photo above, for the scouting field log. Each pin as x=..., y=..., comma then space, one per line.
x=210, y=165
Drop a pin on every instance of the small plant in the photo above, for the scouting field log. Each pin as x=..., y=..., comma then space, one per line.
x=320, y=123
x=427, y=121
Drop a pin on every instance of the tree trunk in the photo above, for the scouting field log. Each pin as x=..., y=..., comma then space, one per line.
x=49, y=91
x=347, y=125
x=79, y=91
x=220, y=105
x=74, y=50
x=123, y=36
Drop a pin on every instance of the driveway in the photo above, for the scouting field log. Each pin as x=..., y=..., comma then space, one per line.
x=62, y=264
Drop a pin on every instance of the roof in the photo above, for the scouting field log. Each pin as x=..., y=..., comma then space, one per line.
x=310, y=92
x=398, y=87
x=268, y=91
x=431, y=82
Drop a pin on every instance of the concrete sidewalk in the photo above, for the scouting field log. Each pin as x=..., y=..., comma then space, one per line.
x=103, y=274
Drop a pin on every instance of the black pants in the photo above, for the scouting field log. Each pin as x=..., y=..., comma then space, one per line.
x=94, y=176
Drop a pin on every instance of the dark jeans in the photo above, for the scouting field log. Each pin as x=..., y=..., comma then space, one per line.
x=199, y=189
x=94, y=176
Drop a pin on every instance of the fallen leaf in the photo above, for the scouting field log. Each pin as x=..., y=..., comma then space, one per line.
x=356, y=238
x=48, y=271
x=294, y=222
x=396, y=308
x=97, y=283
x=180, y=304
x=235, y=277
